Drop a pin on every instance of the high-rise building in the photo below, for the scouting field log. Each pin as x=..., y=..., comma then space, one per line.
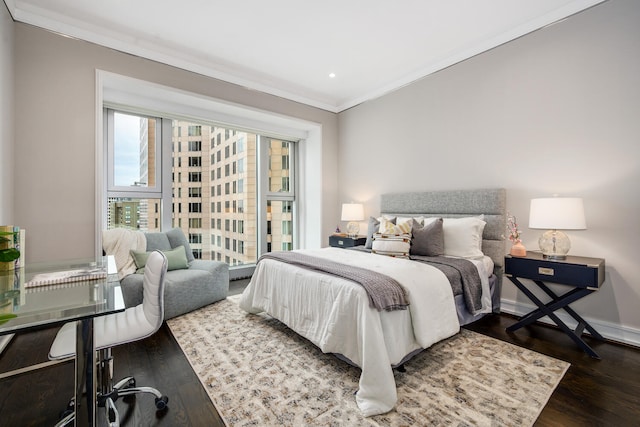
x=214, y=191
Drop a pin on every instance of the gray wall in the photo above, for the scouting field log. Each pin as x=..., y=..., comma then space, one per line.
x=556, y=111
x=6, y=117
x=55, y=144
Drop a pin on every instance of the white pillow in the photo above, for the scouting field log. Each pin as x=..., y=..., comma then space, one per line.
x=463, y=236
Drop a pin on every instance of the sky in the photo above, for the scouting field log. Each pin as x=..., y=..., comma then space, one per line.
x=126, y=149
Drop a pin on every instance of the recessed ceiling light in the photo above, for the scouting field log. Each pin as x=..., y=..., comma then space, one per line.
x=332, y=75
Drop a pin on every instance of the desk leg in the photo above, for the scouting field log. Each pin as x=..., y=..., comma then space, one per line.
x=85, y=374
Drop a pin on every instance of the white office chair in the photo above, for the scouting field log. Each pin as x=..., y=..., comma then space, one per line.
x=133, y=324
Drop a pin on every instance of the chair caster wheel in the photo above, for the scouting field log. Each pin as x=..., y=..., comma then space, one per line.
x=131, y=383
x=161, y=402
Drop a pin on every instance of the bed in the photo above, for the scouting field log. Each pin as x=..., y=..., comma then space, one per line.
x=336, y=314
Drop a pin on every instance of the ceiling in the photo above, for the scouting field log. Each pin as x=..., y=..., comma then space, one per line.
x=288, y=48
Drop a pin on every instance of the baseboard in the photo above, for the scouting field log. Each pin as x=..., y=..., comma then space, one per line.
x=611, y=331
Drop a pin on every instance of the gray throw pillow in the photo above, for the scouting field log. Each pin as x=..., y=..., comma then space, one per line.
x=372, y=228
x=177, y=238
x=428, y=240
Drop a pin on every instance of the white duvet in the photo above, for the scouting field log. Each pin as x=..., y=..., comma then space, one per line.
x=334, y=314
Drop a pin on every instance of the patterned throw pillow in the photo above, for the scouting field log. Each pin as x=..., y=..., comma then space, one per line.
x=395, y=245
x=392, y=239
x=387, y=227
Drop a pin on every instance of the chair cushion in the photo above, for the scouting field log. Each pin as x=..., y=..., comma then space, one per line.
x=177, y=238
x=157, y=242
x=169, y=240
x=204, y=282
x=114, y=329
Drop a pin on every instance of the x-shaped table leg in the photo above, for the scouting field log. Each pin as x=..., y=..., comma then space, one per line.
x=557, y=302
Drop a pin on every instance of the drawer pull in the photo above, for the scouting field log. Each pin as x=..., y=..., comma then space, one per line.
x=545, y=271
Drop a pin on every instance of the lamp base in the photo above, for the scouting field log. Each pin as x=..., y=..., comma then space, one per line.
x=554, y=245
x=353, y=228
x=554, y=257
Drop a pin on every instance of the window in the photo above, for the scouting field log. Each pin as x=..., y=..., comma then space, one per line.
x=195, y=130
x=195, y=145
x=253, y=191
x=133, y=160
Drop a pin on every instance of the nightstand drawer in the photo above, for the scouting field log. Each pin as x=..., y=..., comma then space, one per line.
x=576, y=271
x=346, y=242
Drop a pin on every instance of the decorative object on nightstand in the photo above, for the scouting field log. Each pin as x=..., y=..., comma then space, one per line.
x=517, y=248
x=352, y=212
x=584, y=275
x=344, y=241
x=555, y=214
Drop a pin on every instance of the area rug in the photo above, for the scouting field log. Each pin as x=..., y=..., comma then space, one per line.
x=258, y=372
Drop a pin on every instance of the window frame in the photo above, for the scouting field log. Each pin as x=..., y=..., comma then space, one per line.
x=124, y=92
x=150, y=191
x=164, y=156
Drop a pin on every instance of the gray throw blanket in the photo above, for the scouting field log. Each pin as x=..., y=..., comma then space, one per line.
x=462, y=275
x=384, y=292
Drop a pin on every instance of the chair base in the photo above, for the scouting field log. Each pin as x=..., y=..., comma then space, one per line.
x=124, y=387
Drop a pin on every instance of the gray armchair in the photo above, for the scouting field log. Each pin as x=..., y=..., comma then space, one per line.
x=202, y=283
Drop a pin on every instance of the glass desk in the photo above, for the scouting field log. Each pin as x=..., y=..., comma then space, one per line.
x=25, y=307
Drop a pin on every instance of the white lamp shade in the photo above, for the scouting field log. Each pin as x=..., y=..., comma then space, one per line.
x=352, y=212
x=557, y=213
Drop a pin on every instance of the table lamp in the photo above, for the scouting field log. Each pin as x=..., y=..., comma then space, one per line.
x=555, y=214
x=352, y=212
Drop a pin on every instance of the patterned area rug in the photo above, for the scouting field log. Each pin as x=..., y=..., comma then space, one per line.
x=259, y=372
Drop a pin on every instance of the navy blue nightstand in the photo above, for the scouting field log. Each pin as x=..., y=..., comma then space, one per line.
x=584, y=275
x=343, y=241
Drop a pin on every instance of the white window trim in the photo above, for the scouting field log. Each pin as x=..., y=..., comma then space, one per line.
x=126, y=93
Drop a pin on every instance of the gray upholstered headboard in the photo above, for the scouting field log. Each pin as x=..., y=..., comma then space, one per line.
x=458, y=203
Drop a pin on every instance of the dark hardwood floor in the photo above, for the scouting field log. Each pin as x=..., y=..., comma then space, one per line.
x=593, y=392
